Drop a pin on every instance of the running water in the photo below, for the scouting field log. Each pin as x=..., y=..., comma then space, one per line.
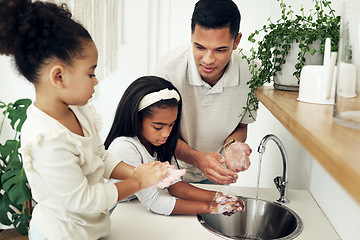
x=257, y=193
x=258, y=177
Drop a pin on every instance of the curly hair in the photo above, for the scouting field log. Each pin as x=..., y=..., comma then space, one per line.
x=34, y=32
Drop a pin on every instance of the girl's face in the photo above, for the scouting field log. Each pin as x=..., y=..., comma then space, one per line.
x=157, y=127
x=81, y=77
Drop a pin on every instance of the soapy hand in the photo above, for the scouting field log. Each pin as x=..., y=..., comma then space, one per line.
x=209, y=164
x=171, y=176
x=149, y=174
x=226, y=205
x=236, y=156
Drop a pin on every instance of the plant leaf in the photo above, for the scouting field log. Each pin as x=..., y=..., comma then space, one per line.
x=10, y=147
x=14, y=183
x=18, y=113
x=5, y=203
x=21, y=221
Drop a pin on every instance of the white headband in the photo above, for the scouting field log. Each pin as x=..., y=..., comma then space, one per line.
x=157, y=96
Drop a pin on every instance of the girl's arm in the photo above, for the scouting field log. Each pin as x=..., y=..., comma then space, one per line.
x=189, y=207
x=187, y=191
x=186, y=207
x=144, y=176
x=200, y=201
x=122, y=171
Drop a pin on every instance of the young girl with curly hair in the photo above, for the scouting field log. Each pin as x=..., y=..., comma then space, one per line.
x=64, y=159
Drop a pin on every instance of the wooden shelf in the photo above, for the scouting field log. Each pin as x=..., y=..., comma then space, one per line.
x=335, y=147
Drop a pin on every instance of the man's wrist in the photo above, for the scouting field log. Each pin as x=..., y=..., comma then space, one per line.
x=196, y=157
x=187, y=154
x=228, y=144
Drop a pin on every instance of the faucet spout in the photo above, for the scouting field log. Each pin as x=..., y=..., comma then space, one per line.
x=279, y=181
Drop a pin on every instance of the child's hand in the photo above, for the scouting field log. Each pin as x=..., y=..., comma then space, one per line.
x=226, y=204
x=172, y=175
x=237, y=156
x=149, y=174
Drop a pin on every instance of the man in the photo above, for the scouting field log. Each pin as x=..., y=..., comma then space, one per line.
x=211, y=78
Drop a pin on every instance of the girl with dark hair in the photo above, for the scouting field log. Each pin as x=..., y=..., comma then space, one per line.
x=63, y=157
x=146, y=129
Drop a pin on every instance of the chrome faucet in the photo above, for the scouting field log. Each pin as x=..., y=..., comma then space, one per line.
x=280, y=182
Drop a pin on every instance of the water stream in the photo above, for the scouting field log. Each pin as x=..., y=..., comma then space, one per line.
x=258, y=176
x=257, y=194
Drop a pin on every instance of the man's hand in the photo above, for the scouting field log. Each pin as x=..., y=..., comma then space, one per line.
x=209, y=164
x=237, y=156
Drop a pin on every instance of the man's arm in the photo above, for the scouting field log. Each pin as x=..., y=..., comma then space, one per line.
x=239, y=134
x=208, y=163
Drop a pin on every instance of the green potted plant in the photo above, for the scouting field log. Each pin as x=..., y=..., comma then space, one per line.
x=270, y=54
x=15, y=194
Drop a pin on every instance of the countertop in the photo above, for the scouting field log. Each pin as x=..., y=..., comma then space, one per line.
x=334, y=146
x=131, y=220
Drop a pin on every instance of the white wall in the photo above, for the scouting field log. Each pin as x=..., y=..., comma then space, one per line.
x=340, y=208
x=12, y=87
x=151, y=28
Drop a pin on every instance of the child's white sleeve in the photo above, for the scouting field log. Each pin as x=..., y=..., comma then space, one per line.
x=110, y=161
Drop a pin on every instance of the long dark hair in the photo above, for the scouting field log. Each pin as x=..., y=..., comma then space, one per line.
x=34, y=32
x=128, y=119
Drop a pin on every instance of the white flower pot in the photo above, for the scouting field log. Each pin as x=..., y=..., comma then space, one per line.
x=284, y=79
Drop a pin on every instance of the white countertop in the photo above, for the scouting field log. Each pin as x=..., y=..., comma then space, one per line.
x=131, y=220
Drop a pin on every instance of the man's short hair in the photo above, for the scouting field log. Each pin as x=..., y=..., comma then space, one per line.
x=213, y=14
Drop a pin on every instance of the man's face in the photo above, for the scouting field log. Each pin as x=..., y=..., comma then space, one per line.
x=212, y=50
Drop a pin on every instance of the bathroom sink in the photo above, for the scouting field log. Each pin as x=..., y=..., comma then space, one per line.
x=261, y=220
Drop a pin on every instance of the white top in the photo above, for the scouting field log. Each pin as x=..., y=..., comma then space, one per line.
x=209, y=114
x=131, y=151
x=66, y=174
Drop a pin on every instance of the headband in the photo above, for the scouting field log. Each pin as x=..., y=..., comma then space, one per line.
x=154, y=97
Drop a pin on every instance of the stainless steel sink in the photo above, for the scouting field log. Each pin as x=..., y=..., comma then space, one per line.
x=260, y=220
